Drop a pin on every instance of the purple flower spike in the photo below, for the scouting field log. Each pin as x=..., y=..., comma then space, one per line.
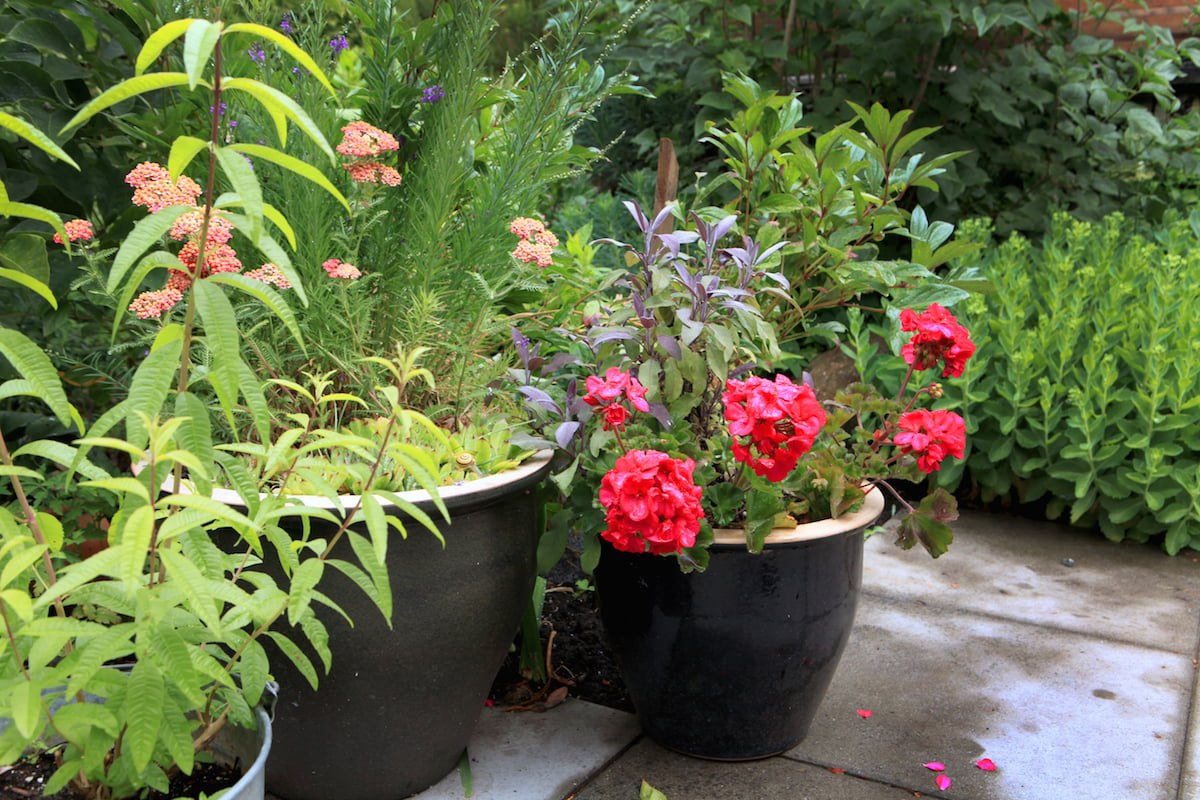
x=432, y=94
x=286, y=24
x=338, y=44
x=256, y=53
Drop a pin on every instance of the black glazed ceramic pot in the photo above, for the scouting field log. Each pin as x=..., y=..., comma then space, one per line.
x=396, y=710
x=732, y=663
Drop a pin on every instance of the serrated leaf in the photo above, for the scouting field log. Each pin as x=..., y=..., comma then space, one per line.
x=146, y=233
x=286, y=44
x=198, y=44
x=36, y=138
x=296, y=656
x=293, y=164
x=270, y=298
x=157, y=42
x=143, y=711
x=131, y=87
x=148, y=391
x=35, y=367
x=279, y=105
x=183, y=150
x=223, y=341
x=304, y=580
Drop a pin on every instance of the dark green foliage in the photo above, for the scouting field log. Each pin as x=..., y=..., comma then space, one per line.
x=1052, y=117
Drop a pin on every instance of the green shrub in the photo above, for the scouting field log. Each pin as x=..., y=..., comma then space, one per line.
x=1085, y=391
x=1052, y=116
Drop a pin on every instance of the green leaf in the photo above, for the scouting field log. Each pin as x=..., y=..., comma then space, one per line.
x=224, y=342
x=279, y=105
x=148, y=231
x=29, y=282
x=296, y=656
x=135, y=537
x=63, y=454
x=22, y=559
x=304, y=581
x=124, y=90
x=37, y=370
x=26, y=707
x=198, y=44
x=183, y=150
x=52, y=532
x=293, y=164
x=9, y=208
x=287, y=45
x=148, y=391
x=272, y=213
x=143, y=710
x=35, y=137
x=245, y=183
x=648, y=792
x=270, y=298
x=157, y=42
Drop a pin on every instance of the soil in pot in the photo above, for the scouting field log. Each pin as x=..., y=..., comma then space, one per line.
x=581, y=659
x=26, y=778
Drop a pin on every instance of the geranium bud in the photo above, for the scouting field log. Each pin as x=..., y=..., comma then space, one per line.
x=936, y=391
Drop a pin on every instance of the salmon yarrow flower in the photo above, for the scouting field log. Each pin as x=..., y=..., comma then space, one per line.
x=341, y=269
x=155, y=190
x=78, y=230
x=537, y=244
x=362, y=140
x=269, y=273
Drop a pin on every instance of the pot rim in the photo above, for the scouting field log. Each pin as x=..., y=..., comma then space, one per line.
x=530, y=470
x=872, y=507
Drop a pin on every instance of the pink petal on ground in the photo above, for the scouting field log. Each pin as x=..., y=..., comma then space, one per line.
x=936, y=766
x=986, y=764
x=862, y=712
x=943, y=782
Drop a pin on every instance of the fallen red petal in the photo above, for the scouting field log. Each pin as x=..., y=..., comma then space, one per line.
x=862, y=712
x=986, y=764
x=836, y=770
x=936, y=766
x=943, y=782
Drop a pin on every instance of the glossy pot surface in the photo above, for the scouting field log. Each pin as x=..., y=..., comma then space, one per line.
x=396, y=709
x=732, y=663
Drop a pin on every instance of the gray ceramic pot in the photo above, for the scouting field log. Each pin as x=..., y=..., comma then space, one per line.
x=399, y=704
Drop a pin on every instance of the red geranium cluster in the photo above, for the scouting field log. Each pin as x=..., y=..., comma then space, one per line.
x=606, y=392
x=652, y=503
x=939, y=338
x=932, y=435
x=779, y=419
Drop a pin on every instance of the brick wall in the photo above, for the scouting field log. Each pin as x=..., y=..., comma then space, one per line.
x=1180, y=17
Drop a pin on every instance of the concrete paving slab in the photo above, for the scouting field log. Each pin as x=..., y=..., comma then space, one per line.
x=539, y=756
x=1062, y=715
x=1013, y=568
x=684, y=778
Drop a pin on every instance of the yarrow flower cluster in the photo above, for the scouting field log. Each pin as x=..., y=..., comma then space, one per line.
x=341, y=269
x=773, y=423
x=154, y=189
x=78, y=230
x=939, y=339
x=270, y=273
x=652, y=502
x=537, y=244
x=365, y=143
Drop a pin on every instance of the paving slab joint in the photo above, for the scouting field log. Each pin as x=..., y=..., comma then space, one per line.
x=596, y=773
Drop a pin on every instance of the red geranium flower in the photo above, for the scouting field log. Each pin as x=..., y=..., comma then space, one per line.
x=780, y=419
x=607, y=392
x=938, y=338
x=932, y=435
x=652, y=502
